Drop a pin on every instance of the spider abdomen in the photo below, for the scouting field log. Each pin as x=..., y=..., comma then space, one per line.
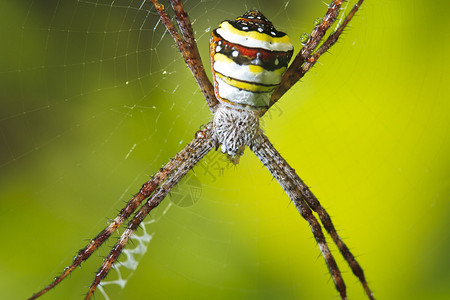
x=248, y=58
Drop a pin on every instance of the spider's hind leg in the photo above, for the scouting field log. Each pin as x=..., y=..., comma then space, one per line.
x=306, y=58
x=188, y=47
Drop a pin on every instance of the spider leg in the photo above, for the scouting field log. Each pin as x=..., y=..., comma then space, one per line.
x=266, y=153
x=184, y=24
x=324, y=217
x=188, y=48
x=304, y=58
x=146, y=190
x=331, y=40
x=199, y=148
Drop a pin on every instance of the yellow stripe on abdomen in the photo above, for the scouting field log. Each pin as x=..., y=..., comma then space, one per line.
x=248, y=59
x=252, y=87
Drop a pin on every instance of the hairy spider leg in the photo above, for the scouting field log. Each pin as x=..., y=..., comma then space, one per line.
x=324, y=217
x=330, y=41
x=146, y=190
x=185, y=25
x=266, y=155
x=298, y=67
x=188, y=48
x=292, y=75
x=201, y=145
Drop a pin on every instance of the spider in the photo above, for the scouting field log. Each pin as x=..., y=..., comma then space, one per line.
x=249, y=62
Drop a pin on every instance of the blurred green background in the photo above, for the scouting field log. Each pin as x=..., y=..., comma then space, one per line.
x=94, y=98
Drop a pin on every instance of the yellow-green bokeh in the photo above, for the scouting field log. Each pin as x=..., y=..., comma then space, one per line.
x=90, y=109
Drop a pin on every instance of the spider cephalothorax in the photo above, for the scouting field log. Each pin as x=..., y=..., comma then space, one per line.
x=233, y=129
x=249, y=58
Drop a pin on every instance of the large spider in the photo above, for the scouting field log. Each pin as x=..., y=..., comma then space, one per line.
x=249, y=61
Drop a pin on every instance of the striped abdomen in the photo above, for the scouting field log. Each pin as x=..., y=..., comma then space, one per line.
x=248, y=58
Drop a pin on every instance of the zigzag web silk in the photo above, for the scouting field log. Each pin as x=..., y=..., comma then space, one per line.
x=133, y=256
x=116, y=58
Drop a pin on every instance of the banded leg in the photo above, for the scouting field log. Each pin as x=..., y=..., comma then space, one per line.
x=202, y=145
x=146, y=190
x=185, y=25
x=188, y=48
x=324, y=217
x=331, y=40
x=266, y=153
x=304, y=60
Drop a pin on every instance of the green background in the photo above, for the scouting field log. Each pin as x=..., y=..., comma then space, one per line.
x=94, y=98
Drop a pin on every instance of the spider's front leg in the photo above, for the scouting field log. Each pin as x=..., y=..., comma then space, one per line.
x=305, y=201
x=201, y=145
x=189, y=152
x=325, y=218
x=261, y=147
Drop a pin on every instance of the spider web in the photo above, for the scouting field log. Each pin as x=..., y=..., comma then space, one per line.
x=95, y=97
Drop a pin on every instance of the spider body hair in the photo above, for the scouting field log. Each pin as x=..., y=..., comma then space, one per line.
x=233, y=129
